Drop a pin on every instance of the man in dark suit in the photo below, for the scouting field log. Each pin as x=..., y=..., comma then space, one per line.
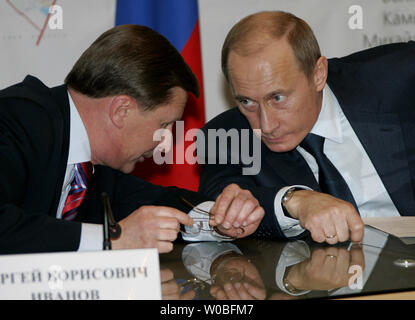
x=62, y=147
x=337, y=136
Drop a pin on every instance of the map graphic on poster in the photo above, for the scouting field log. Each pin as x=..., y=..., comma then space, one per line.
x=34, y=12
x=32, y=41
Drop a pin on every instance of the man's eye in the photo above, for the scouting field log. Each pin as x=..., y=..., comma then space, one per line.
x=246, y=102
x=278, y=98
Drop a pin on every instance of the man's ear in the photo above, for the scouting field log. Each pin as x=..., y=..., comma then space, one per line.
x=120, y=109
x=320, y=73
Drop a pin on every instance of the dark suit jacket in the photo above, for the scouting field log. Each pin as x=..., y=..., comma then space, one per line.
x=34, y=144
x=376, y=91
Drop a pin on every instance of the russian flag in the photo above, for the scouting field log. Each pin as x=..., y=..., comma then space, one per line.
x=178, y=21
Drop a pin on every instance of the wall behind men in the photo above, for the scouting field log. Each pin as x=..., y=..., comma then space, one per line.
x=341, y=27
x=29, y=46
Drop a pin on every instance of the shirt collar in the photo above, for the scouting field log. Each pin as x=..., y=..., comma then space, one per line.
x=79, y=147
x=328, y=124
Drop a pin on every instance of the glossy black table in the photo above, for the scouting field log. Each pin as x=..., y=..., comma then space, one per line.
x=264, y=269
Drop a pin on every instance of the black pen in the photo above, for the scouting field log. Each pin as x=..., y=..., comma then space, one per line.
x=112, y=230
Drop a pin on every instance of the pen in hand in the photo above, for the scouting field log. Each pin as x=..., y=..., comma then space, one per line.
x=112, y=230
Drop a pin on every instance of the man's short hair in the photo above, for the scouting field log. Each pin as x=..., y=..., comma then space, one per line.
x=255, y=31
x=133, y=60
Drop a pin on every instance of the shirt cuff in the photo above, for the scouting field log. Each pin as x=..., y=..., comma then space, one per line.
x=201, y=230
x=293, y=253
x=290, y=227
x=198, y=257
x=91, y=237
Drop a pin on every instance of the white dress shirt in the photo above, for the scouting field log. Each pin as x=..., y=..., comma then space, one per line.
x=198, y=257
x=343, y=148
x=80, y=151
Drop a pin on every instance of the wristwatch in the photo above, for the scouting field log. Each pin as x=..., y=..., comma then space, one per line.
x=286, y=197
x=290, y=288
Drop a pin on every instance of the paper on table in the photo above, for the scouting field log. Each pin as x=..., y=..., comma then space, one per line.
x=401, y=227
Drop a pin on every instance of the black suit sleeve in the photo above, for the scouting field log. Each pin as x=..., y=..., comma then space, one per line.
x=26, y=224
x=128, y=193
x=216, y=176
x=133, y=192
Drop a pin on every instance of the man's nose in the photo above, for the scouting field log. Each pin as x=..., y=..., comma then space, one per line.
x=268, y=120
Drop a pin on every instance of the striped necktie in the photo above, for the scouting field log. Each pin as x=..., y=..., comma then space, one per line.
x=82, y=175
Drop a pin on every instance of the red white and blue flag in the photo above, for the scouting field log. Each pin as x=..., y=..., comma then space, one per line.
x=178, y=21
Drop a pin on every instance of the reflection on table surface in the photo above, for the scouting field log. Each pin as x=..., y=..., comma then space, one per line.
x=262, y=269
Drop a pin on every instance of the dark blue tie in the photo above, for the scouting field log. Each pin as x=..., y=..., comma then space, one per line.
x=329, y=178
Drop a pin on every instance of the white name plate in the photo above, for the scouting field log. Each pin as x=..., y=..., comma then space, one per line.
x=100, y=275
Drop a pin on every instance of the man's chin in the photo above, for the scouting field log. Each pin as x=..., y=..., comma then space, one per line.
x=280, y=147
x=128, y=168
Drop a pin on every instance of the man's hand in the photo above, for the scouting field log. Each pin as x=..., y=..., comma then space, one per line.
x=236, y=209
x=327, y=218
x=327, y=269
x=236, y=278
x=151, y=227
x=170, y=290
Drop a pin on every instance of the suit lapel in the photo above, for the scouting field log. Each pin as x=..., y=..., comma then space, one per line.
x=380, y=134
x=45, y=184
x=383, y=142
x=61, y=96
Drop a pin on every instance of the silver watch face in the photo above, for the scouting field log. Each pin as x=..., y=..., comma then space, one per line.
x=287, y=196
